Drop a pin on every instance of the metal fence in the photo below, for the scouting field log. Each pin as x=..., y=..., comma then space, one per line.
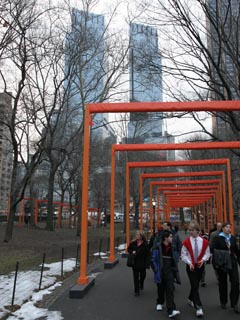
x=19, y=286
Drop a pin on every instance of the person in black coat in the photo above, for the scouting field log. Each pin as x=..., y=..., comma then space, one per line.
x=225, y=262
x=176, y=245
x=164, y=266
x=139, y=247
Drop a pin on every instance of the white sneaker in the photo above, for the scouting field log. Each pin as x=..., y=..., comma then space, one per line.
x=159, y=307
x=199, y=313
x=190, y=302
x=174, y=313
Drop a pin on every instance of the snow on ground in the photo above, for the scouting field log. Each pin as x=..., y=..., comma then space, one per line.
x=27, y=290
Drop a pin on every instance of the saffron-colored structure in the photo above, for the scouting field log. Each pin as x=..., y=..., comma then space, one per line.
x=211, y=106
x=180, y=175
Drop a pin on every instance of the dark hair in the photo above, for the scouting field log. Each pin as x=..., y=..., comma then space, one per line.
x=168, y=223
x=166, y=234
x=225, y=224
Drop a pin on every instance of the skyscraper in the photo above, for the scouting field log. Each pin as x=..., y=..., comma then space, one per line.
x=145, y=82
x=85, y=64
x=5, y=151
x=223, y=44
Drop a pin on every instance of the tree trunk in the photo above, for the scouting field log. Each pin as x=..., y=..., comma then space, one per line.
x=10, y=222
x=13, y=205
x=32, y=196
x=61, y=209
x=49, y=223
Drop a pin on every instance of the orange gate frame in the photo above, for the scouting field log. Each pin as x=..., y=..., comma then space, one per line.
x=166, y=183
x=211, y=106
x=198, y=189
x=191, y=198
x=210, y=188
x=152, y=147
x=175, y=163
x=175, y=175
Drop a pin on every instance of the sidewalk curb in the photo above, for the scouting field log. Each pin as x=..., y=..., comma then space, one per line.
x=67, y=283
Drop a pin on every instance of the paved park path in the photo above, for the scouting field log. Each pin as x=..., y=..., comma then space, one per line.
x=112, y=298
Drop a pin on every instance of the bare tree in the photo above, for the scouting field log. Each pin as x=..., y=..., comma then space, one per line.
x=33, y=45
x=20, y=52
x=199, y=45
x=200, y=53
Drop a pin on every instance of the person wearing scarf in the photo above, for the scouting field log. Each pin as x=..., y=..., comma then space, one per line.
x=195, y=258
x=224, y=243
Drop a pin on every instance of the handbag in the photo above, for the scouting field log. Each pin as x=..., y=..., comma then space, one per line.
x=222, y=260
x=130, y=260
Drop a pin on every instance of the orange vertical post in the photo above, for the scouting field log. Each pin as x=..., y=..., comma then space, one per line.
x=141, y=203
x=111, y=257
x=151, y=210
x=83, y=278
x=127, y=221
x=158, y=212
x=231, y=214
x=224, y=200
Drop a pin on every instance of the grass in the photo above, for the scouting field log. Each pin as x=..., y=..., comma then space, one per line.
x=28, y=245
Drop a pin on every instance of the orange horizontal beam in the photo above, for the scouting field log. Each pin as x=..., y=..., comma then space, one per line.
x=181, y=174
x=172, y=183
x=164, y=106
x=205, y=181
x=177, y=163
x=176, y=146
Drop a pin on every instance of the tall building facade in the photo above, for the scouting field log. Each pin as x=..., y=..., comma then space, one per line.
x=6, y=154
x=223, y=43
x=145, y=76
x=85, y=65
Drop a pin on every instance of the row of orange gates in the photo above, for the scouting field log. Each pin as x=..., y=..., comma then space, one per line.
x=70, y=217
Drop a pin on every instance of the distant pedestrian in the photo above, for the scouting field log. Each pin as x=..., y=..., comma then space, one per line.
x=225, y=261
x=164, y=267
x=154, y=235
x=213, y=229
x=195, y=252
x=139, y=247
x=215, y=233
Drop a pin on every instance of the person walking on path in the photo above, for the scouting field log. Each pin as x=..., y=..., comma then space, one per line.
x=164, y=266
x=139, y=248
x=215, y=233
x=195, y=252
x=176, y=245
x=225, y=261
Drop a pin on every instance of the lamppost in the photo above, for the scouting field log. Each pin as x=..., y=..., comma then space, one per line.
x=154, y=211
